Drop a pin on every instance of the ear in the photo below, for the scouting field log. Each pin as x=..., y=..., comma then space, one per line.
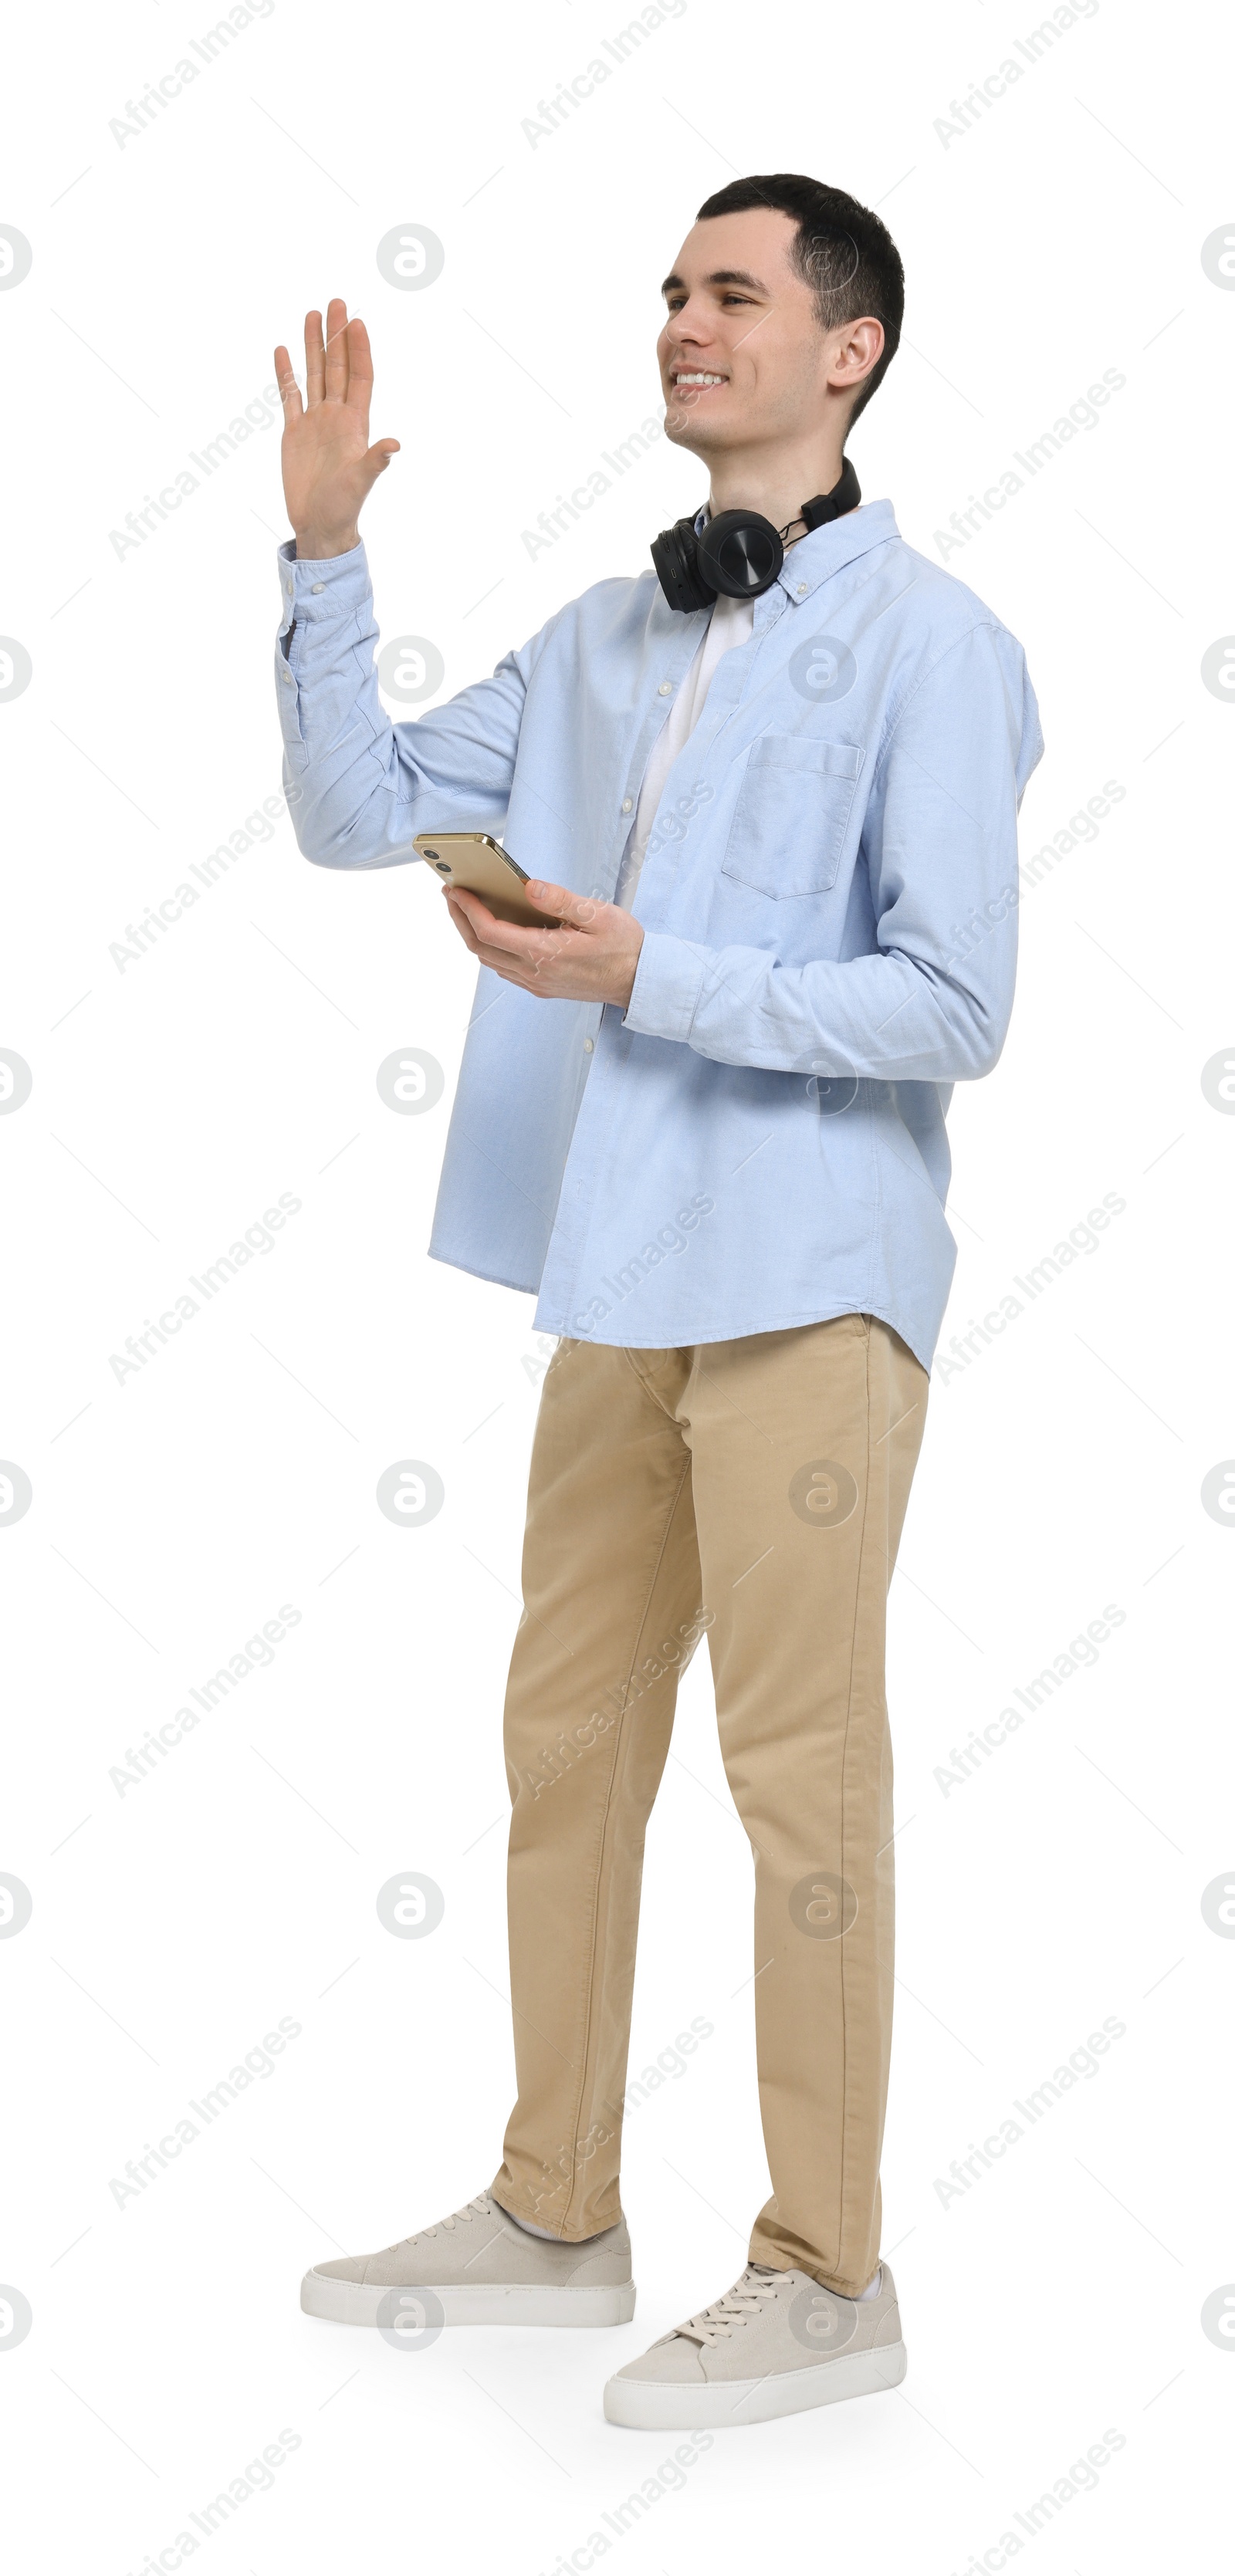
x=860, y=346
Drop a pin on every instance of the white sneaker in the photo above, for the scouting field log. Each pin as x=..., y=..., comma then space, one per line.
x=478, y=2268
x=777, y=2343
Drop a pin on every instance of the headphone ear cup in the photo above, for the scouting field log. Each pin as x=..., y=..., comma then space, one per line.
x=675, y=553
x=740, y=553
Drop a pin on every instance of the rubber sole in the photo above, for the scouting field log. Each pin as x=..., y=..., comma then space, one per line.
x=658, y=2406
x=466, y=2303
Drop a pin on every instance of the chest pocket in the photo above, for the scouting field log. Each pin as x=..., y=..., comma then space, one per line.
x=792, y=814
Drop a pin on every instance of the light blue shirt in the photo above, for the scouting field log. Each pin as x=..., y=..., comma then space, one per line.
x=829, y=906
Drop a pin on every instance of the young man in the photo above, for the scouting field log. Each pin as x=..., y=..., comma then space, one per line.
x=770, y=790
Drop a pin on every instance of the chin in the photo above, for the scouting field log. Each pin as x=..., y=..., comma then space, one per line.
x=683, y=430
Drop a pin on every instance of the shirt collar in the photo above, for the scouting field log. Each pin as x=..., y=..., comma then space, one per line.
x=827, y=550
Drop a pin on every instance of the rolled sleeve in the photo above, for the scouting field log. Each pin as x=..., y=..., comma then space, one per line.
x=932, y=1003
x=668, y=983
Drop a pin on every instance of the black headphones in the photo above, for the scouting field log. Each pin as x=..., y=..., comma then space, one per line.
x=740, y=553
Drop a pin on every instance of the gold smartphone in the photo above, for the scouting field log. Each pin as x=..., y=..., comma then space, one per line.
x=478, y=863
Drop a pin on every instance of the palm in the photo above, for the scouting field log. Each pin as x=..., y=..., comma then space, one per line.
x=329, y=467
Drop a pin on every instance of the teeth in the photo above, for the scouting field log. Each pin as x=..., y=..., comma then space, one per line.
x=699, y=380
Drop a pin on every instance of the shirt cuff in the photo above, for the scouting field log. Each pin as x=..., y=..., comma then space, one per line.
x=322, y=588
x=667, y=987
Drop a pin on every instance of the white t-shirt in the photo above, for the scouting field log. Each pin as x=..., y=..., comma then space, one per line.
x=731, y=622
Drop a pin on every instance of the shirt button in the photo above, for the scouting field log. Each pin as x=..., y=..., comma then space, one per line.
x=627, y=803
x=289, y=587
x=666, y=688
x=318, y=586
x=287, y=674
x=801, y=590
x=588, y=1045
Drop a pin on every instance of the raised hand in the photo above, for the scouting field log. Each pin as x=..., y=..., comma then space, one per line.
x=329, y=468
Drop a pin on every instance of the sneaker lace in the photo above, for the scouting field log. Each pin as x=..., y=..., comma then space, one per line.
x=480, y=2207
x=717, y=2323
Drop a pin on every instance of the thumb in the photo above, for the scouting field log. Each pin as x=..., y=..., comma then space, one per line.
x=579, y=910
x=377, y=458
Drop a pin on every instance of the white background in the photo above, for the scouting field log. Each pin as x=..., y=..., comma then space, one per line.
x=173, y=1513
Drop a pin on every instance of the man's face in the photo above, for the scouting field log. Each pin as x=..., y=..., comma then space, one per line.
x=742, y=358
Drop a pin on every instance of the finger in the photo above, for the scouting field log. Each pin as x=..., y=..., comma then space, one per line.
x=516, y=946
x=477, y=938
x=507, y=938
x=285, y=378
x=360, y=370
x=518, y=956
x=461, y=923
x=510, y=971
x=336, y=350
x=314, y=360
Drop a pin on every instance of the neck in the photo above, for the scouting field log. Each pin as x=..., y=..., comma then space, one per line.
x=776, y=484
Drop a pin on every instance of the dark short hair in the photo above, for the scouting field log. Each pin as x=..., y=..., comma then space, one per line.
x=840, y=249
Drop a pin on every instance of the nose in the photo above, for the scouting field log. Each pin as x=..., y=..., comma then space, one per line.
x=687, y=328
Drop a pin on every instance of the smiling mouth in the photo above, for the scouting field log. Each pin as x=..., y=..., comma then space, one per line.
x=696, y=380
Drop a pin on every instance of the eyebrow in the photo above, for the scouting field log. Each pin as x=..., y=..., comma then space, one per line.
x=720, y=277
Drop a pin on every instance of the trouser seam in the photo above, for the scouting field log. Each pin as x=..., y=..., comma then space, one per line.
x=619, y=1735
x=649, y=1391
x=844, y=1781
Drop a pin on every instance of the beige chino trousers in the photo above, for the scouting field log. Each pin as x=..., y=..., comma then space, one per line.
x=753, y=1490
